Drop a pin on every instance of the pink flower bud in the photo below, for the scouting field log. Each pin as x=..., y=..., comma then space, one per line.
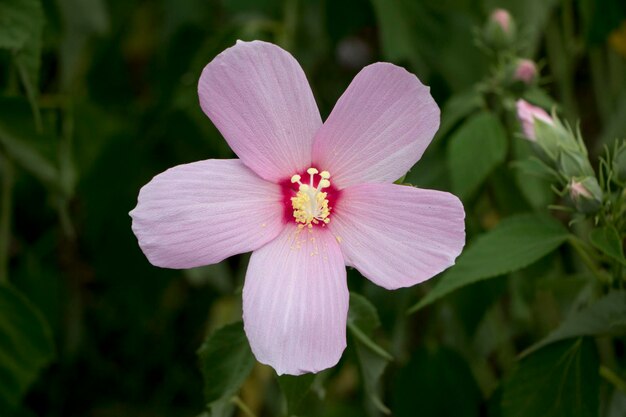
x=578, y=190
x=527, y=114
x=586, y=194
x=503, y=18
x=525, y=71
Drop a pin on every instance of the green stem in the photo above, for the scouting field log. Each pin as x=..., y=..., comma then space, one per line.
x=31, y=93
x=613, y=378
x=242, y=406
x=67, y=172
x=363, y=338
x=6, y=166
x=580, y=247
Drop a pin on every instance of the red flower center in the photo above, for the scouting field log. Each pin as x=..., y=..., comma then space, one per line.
x=309, y=198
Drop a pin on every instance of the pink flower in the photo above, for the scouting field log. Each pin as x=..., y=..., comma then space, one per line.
x=525, y=71
x=307, y=198
x=528, y=114
x=503, y=18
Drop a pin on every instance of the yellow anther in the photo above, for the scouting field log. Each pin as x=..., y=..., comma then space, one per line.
x=324, y=184
x=312, y=171
x=303, y=187
x=325, y=175
x=295, y=178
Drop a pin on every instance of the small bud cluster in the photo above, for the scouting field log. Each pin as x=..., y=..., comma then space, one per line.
x=565, y=154
x=499, y=37
x=561, y=153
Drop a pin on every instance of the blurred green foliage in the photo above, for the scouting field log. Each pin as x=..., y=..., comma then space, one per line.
x=98, y=96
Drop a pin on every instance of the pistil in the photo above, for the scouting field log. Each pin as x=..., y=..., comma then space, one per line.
x=310, y=204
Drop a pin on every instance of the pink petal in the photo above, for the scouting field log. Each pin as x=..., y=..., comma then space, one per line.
x=378, y=129
x=201, y=213
x=295, y=302
x=398, y=236
x=258, y=97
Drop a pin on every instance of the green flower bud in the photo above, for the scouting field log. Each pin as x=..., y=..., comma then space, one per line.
x=572, y=163
x=548, y=138
x=586, y=194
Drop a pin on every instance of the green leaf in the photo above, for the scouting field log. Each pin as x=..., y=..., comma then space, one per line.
x=362, y=321
x=436, y=383
x=367, y=341
x=533, y=167
x=21, y=29
x=606, y=316
x=474, y=151
x=363, y=314
x=295, y=389
x=560, y=380
x=431, y=170
x=222, y=408
x=26, y=346
x=372, y=367
x=457, y=108
x=608, y=241
x=515, y=243
x=82, y=19
x=226, y=361
x=16, y=19
x=396, y=33
x=533, y=177
x=430, y=38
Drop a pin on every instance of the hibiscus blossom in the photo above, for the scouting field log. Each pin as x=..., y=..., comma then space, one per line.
x=307, y=198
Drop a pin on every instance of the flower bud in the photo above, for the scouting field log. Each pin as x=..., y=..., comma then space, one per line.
x=573, y=163
x=499, y=32
x=586, y=194
x=503, y=18
x=525, y=71
x=528, y=116
x=550, y=138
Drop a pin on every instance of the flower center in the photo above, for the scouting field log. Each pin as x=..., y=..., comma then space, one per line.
x=310, y=204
